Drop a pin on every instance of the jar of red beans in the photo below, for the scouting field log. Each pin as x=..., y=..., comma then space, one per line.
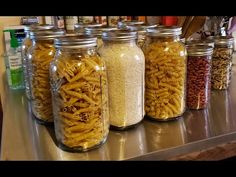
x=198, y=76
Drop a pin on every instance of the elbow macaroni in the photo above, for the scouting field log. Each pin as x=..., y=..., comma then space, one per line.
x=165, y=79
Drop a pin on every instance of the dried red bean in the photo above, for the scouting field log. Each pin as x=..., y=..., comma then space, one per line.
x=198, y=81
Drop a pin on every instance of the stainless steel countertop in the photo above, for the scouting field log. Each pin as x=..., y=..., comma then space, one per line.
x=24, y=139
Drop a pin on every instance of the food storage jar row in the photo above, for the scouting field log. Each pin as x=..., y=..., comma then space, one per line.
x=83, y=89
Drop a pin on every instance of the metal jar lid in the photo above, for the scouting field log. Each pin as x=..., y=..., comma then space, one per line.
x=46, y=35
x=97, y=31
x=76, y=42
x=223, y=40
x=140, y=28
x=206, y=42
x=164, y=31
x=119, y=35
x=36, y=27
x=124, y=24
x=83, y=25
x=199, y=50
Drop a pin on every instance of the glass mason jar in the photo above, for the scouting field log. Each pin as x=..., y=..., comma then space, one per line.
x=198, y=76
x=40, y=56
x=125, y=69
x=80, y=95
x=165, y=74
x=97, y=32
x=26, y=44
x=222, y=62
x=141, y=30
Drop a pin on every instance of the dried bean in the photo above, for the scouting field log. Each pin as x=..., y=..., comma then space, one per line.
x=198, y=81
x=221, y=68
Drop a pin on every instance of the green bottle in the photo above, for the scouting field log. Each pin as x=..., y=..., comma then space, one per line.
x=13, y=62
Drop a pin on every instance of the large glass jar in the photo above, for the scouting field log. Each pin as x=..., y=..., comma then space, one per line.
x=141, y=30
x=222, y=62
x=80, y=95
x=26, y=44
x=125, y=66
x=40, y=56
x=198, y=76
x=97, y=32
x=165, y=74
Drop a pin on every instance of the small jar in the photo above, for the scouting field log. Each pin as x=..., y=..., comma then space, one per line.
x=40, y=56
x=141, y=30
x=97, y=32
x=125, y=68
x=26, y=44
x=80, y=95
x=198, y=76
x=124, y=24
x=222, y=62
x=165, y=74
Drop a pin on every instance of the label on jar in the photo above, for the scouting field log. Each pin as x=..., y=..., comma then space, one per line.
x=70, y=22
x=113, y=20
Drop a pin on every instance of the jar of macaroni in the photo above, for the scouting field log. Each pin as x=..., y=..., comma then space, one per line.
x=165, y=74
x=141, y=30
x=222, y=62
x=198, y=76
x=125, y=69
x=26, y=44
x=97, y=32
x=40, y=56
x=80, y=95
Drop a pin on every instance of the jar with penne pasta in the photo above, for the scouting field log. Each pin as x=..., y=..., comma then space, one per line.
x=40, y=56
x=125, y=69
x=26, y=44
x=80, y=95
x=165, y=73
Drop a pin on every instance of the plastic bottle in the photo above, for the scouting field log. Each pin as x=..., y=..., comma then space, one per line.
x=13, y=64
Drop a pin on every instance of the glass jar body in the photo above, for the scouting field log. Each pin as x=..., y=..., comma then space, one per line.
x=165, y=77
x=41, y=54
x=125, y=66
x=221, y=66
x=80, y=99
x=26, y=44
x=198, y=81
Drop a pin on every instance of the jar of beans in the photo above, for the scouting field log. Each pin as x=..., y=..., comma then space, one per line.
x=198, y=76
x=222, y=62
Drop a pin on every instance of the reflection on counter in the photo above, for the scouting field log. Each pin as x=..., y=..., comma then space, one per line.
x=165, y=134
x=222, y=117
x=197, y=124
x=127, y=143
